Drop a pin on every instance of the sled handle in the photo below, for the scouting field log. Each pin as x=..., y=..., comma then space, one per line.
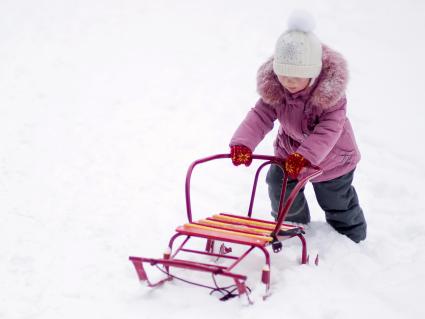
x=270, y=160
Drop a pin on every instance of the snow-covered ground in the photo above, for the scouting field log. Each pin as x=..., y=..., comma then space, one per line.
x=104, y=104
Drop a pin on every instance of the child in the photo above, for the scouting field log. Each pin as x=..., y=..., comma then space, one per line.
x=303, y=86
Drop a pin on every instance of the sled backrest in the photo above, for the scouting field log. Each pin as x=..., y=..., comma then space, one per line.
x=284, y=205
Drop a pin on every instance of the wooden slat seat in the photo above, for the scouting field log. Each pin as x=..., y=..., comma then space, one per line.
x=259, y=223
x=234, y=228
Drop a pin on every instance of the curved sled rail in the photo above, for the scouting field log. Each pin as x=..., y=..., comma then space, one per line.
x=283, y=205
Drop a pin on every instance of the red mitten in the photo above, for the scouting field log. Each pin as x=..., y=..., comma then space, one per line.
x=240, y=154
x=294, y=163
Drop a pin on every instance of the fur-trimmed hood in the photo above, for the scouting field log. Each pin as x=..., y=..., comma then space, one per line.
x=327, y=91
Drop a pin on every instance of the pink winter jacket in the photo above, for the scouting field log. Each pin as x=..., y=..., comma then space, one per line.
x=313, y=122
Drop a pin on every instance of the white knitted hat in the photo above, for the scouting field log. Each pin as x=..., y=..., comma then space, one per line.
x=298, y=51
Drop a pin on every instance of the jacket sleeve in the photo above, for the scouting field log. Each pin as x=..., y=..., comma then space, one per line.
x=325, y=135
x=257, y=123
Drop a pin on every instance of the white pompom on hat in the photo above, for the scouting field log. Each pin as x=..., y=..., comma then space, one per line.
x=298, y=52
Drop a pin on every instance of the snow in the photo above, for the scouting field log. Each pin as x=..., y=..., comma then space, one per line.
x=103, y=106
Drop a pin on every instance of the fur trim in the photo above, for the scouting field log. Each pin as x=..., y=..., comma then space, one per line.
x=330, y=87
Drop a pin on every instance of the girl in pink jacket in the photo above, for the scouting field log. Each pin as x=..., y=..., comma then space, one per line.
x=303, y=87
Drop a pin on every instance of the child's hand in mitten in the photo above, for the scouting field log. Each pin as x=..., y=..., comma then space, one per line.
x=294, y=163
x=240, y=154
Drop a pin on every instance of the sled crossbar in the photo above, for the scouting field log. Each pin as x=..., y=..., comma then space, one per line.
x=185, y=264
x=215, y=270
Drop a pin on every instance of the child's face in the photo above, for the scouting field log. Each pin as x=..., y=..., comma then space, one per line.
x=293, y=85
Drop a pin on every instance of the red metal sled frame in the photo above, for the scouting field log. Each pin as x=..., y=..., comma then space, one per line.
x=227, y=233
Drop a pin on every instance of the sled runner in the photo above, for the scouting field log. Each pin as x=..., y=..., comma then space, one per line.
x=244, y=230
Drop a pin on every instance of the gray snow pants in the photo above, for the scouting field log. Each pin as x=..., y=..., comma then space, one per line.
x=337, y=197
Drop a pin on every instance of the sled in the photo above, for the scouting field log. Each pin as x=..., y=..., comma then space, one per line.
x=235, y=229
